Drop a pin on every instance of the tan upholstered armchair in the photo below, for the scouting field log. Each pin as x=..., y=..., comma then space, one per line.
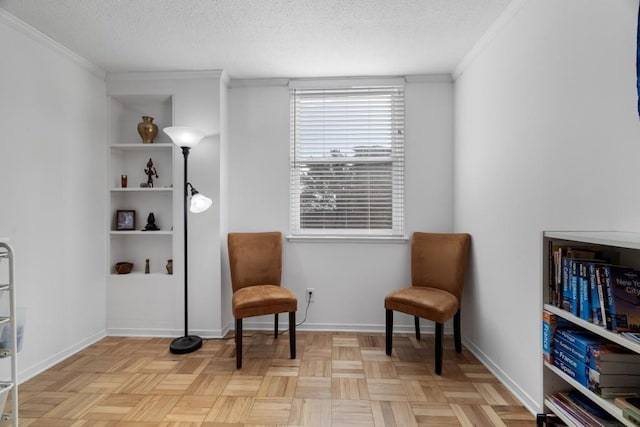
x=438, y=268
x=255, y=261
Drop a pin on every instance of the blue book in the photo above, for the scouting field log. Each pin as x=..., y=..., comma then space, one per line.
x=580, y=339
x=584, y=305
x=576, y=370
x=603, y=357
x=566, y=283
x=565, y=346
x=587, y=404
x=548, y=329
x=568, y=359
x=574, y=286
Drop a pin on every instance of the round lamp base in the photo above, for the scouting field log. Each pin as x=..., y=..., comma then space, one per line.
x=186, y=344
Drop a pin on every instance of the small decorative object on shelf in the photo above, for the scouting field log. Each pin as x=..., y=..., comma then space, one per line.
x=123, y=181
x=123, y=267
x=146, y=266
x=151, y=223
x=125, y=220
x=150, y=171
x=170, y=266
x=147, y=130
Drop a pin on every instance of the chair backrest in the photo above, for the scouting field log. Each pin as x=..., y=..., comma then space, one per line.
x=439, y=260
x=255, y=259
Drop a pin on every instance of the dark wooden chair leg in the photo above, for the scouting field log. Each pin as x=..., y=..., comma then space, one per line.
x=238, y=343
x=456, y=332
x=292, y=334
x=438, y=348
x=417, y=322
x=389, y=331
x=275, y=327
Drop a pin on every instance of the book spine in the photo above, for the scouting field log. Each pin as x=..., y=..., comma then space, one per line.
x=561, y=344
x=613, y=368
x=584, y=307
x=579, y=375
x=580, y=341
x=604, y=306
x=553, y=297
x=548, y=329
x=574, y=301
x=611, y=320
x=596, y=315
x=567, y=359
x=566, y=283
x=557, y=259
x=597, y=380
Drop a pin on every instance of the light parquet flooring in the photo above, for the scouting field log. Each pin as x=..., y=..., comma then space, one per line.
x=338, y=379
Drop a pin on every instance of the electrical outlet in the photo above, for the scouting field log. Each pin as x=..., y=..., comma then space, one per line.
x=311, y=294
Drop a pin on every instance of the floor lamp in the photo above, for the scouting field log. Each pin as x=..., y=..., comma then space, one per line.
x=186, y=138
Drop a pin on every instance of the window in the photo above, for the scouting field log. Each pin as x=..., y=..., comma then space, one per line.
x=347, y=161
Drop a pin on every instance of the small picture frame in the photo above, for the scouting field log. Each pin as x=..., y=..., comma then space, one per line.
x=125, y=220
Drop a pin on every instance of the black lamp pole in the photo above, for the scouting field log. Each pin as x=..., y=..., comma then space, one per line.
x=186, y=343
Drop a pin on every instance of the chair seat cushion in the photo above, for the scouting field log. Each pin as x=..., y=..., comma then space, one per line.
x=428, y=303
x=259, y=300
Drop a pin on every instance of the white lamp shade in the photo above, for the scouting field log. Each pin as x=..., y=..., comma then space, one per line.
x=199, y=203
x=184, y=136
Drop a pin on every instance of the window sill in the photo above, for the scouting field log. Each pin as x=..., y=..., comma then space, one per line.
x=346, y=239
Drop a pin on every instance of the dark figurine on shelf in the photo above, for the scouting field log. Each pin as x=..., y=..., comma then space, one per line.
x=150, y=171
x=146, y=266
x=151, y=223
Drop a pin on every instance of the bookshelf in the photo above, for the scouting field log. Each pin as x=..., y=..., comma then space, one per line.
x=626, y=248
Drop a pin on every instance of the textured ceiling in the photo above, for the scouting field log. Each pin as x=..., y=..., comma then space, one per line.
x=265, y=38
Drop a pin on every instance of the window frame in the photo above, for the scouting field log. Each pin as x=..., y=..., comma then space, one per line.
x=396, y=231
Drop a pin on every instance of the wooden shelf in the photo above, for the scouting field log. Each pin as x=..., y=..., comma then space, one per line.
x=141, y=146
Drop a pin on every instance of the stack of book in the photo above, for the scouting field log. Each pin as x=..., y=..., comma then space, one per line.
x=550, y=322
x=603, y=367
x=581, y=410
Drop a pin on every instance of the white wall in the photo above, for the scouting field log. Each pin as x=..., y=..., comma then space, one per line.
x=52, y=169
x=547, y=137
x=343, y=274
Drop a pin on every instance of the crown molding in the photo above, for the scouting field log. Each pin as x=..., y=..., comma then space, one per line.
x=165, y=75
x=428, y=78
x=46, y=41
x=514, y=8
x=273, y=82
x=285, y=82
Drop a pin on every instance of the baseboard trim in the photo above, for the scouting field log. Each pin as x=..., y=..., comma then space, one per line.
x=42, y=366
x=162, y=333
x=428, y=328
x=527, y=401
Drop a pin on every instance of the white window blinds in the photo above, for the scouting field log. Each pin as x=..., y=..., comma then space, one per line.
x=347, y=161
